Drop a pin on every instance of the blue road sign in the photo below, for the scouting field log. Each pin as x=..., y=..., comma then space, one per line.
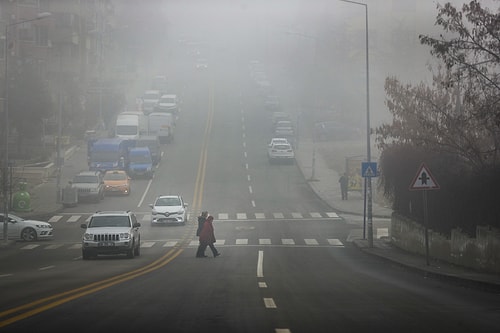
x=369, y=169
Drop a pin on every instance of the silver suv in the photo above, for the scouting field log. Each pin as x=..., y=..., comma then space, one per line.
x=89, y=185
x=111, y=233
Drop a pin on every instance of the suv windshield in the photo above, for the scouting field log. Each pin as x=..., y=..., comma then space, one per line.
x=109, y=221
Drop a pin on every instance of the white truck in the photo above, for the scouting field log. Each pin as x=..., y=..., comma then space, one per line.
x=131, y=125
x=162, y=124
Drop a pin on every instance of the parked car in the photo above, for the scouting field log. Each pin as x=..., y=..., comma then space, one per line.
x=89, y=185
x=116, y=182
x=168, y=209
x=113, y=232
x=26, y=230
x=281, y=152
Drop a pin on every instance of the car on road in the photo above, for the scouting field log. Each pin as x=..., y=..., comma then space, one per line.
x=89, y=185
x=281, y=152
x=284, y=128
x=111, y=233
x=168, y=103
x=168, y=209
x=150, y=99
x=275, y=141
x=116, y=182
x=26, y=230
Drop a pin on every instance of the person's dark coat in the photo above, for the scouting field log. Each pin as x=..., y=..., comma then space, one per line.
x=207, y=235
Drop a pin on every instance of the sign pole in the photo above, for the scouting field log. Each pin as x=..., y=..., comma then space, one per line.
x=426, y=226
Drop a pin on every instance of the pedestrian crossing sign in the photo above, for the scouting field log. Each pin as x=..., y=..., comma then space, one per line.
x=424, y=180
x=369, y=169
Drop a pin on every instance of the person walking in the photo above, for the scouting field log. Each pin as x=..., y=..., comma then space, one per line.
x=200, y=253
x=344, y=183
x=207, y=238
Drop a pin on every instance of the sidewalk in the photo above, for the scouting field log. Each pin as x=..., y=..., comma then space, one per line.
x=325, y=185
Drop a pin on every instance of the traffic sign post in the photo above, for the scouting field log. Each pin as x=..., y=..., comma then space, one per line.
x=368, y=170
x=424, y=181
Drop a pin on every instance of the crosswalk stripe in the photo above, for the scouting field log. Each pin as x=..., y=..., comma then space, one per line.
x=55, y=218
x=333, y=215
x=335, y=242
x=147, y=244
x=146, y=218
x=311, y=241
x=53, y=246
x=241, y=241
x=287, y=241
x=278, y=215
x=260, y=216
x=265, y=241
x=74, y=218
x=382, y=232
x=241, y=216
x=76, y=246
x=220, y=242
x=170, y=244
x=316, y=215
x=223, y=216
x=194, y=243
x=297, y=215
x=30, y=247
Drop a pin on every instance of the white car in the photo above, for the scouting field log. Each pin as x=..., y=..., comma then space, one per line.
x=168, y=103
x=26, y=230
x=281, y=152
x=275, y=141
x=150, y=99
x=168, y=209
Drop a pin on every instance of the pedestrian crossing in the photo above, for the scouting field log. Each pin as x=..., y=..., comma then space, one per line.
x=146, y=216
x=284, y=242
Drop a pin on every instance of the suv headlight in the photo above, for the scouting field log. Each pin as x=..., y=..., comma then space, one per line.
x=88, y=237
x=125, y=235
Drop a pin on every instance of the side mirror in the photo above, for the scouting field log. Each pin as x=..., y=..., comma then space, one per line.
x=83, y=226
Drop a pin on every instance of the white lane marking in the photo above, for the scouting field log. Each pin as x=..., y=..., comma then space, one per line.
x=5, y=275
x=76, y=246
x=335, y=242
x=282, y=330
x=253, y=203
x=145, y=192
x=246, y=166
x=262, y=285
x=30, y=247
x=311, y=241
x=245, y=154
x=316, y=215
x=248, y=178
x=260, y=261
x=223, y=216
x=250, y=189
x=46, y=268
x=194, y=243
x=269, y=303
x=287, y=241
x=241, y=216
x=382, y=232
x=260, y=216
x=333, y=215
x=297, y=215
x=278, y=215
x=146, y=218
x=73, y=218
x=265, y=241
x=147, y=244
x=55, y=218
x=241, y=241
x=170, y=244
x=220, y=242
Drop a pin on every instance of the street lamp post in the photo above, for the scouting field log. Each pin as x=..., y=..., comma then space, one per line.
x=6, y=195
x=368, y=195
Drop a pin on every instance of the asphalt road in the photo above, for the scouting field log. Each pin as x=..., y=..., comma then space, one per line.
x=282, y=274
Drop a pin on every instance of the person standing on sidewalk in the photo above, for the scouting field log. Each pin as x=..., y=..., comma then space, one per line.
x=344, y=183
x=207, y=238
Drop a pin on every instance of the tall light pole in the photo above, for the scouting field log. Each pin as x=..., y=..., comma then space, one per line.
x=6, y=194
x=368, y=196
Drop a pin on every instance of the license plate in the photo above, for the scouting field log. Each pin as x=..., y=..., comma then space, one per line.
x=106, y=244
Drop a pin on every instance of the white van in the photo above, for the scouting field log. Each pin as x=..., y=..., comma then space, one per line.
x=162, y=124
x=131, y=125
